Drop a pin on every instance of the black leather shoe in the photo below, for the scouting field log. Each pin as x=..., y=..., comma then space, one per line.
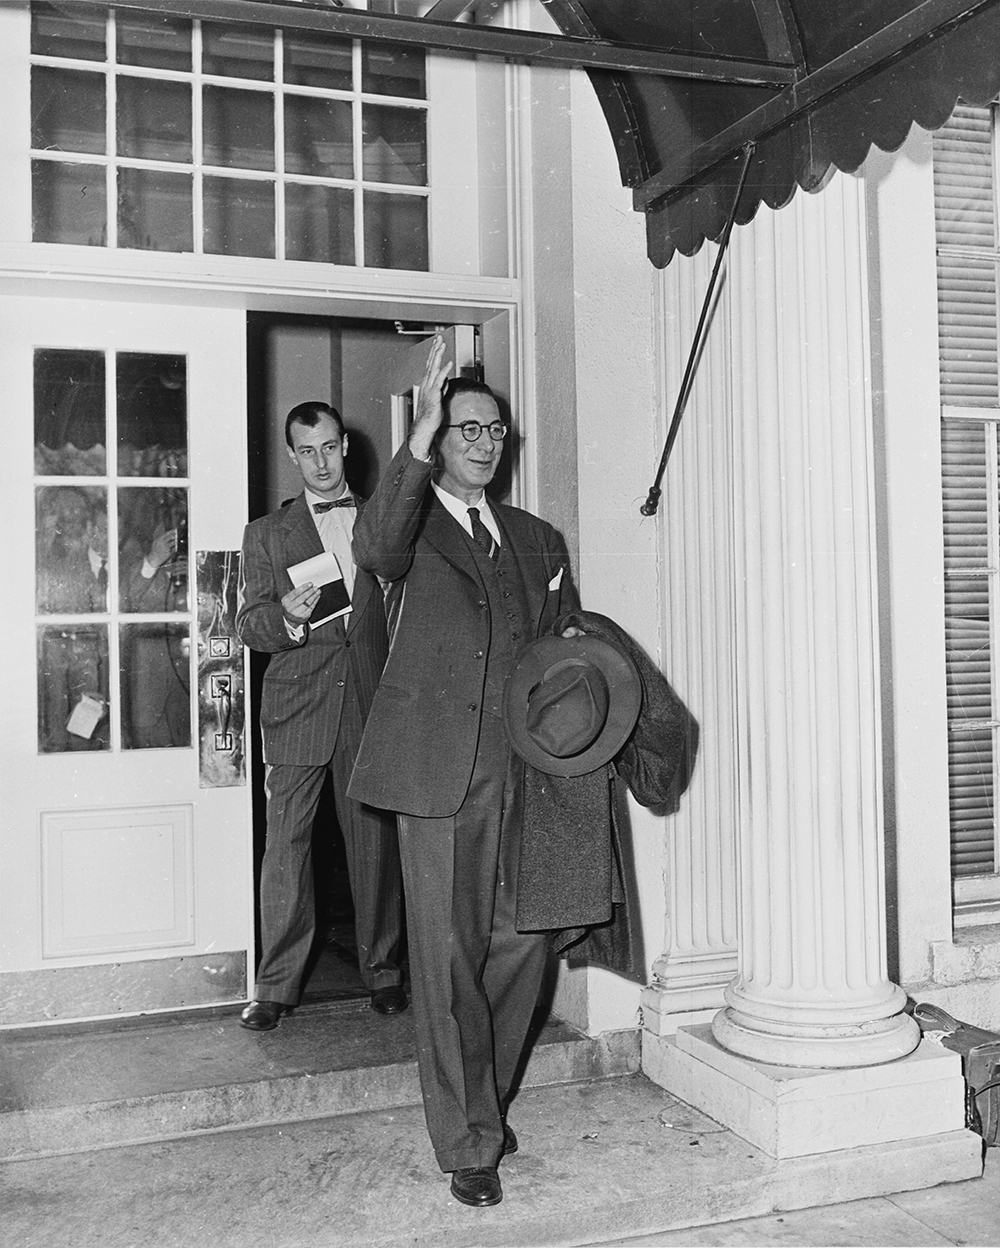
x=262, y=1015
x=509, y=1140
x=389, y=1000
x=477, y=1186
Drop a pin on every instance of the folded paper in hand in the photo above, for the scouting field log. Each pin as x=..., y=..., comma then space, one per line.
x=323, y=571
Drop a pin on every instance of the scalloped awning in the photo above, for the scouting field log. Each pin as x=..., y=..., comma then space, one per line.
x=862, y=72
x=686, y=85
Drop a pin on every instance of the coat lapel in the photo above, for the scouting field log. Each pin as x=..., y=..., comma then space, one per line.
x=447, y=536
x=300, y=535
x=302, y=541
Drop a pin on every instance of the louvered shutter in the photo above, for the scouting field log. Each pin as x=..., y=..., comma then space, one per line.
x=964, y=197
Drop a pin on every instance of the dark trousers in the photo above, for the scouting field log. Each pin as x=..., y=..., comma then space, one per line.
x=287, y=905
x=475, y=979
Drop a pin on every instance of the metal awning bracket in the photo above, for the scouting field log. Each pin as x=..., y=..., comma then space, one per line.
x=650, y=506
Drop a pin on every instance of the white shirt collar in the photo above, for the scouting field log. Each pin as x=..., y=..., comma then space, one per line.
x=318, y=498
x=460, y=510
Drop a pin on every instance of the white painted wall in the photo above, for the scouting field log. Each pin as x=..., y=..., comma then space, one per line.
x=618, y=447
x=589, y=377
x=903, y=300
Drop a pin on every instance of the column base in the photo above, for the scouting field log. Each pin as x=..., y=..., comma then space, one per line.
x=817, y=1046
x=661, y=1023
x=663, y=1011
x=686, y=990
x=791, y=1112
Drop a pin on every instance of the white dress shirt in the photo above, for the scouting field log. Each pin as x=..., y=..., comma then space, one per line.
x=460, y=510
x=335, y=528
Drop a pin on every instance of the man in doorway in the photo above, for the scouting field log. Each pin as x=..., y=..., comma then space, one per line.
x=72, y=579
x=475, y=582
x=326, y=659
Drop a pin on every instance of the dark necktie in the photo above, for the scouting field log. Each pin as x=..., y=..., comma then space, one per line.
x=480, y=533
x=346, y=501
x=102, y=582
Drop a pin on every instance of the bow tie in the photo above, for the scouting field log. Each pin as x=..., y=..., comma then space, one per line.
x=346, y=501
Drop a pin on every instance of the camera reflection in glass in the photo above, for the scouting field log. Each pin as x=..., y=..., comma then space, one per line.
x=155, y=656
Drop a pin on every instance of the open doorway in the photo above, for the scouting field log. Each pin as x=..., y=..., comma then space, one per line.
x=366, y=369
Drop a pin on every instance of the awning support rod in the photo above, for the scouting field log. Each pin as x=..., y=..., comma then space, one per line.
x=650, y=506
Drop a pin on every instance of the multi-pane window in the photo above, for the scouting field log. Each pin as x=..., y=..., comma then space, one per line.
x=112, y=603
x=965, y=189
x=158, y=133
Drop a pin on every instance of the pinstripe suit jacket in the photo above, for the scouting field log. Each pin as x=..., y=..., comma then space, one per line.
x=306, y=682
x=419, y=745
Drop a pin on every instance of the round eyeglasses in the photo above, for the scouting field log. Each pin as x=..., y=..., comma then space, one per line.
x=472, y=430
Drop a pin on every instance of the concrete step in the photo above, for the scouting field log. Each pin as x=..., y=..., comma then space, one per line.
x=600, y=1160
x=71, y=1089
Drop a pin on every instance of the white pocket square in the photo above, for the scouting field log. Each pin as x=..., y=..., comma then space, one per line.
x=556, y=581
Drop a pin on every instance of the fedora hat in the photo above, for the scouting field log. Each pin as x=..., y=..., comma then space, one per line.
x=571, y=703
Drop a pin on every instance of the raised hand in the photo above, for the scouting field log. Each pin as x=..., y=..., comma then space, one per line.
x=430, y=413
x=162, y=549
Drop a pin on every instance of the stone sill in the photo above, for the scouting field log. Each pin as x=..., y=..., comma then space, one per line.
x=973, y=953
x=980, y=935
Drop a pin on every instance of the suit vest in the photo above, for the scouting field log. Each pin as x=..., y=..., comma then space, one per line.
x=510, y=622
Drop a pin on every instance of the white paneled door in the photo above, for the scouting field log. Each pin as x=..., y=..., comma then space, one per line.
x=125, y=842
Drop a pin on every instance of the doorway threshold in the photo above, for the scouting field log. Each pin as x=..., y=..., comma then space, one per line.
x=91, y=1086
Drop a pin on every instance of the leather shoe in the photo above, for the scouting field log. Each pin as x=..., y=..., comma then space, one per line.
x=389, y=1000
x=262, y=1015
x=509, y=1141
x=477, y=1186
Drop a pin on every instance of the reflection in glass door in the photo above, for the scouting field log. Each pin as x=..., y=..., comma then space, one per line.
x=112, y=600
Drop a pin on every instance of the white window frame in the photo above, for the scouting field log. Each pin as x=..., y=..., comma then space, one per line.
x=469, y=255
x=977, y=897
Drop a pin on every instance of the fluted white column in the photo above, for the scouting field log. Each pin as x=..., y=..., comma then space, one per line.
x=812, y=988
x=698, y=646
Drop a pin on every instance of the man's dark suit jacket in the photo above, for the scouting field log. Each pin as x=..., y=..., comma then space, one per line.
x=305, y=682
x=419, y=746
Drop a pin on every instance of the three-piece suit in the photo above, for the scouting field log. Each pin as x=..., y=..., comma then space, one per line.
x=316, y=693
x=435, y=751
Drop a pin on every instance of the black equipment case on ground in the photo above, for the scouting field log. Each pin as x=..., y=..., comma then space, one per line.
x=980, y=1051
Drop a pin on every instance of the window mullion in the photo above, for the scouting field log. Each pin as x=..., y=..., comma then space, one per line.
x=279, y=144
x=358, y=144
x=111, y=134
x=197, y=142
x=114, y=571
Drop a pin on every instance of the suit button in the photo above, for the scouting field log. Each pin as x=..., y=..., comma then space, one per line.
x=347, y=644
x=340, y=684
x=472, y=706
x=506, y=593
x=483, y=606
x=478, y=654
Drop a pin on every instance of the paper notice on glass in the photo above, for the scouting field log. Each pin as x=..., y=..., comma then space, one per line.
x=324, y=572
x=87, y=714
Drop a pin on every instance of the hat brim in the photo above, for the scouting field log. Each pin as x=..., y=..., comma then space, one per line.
x=626, y=701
